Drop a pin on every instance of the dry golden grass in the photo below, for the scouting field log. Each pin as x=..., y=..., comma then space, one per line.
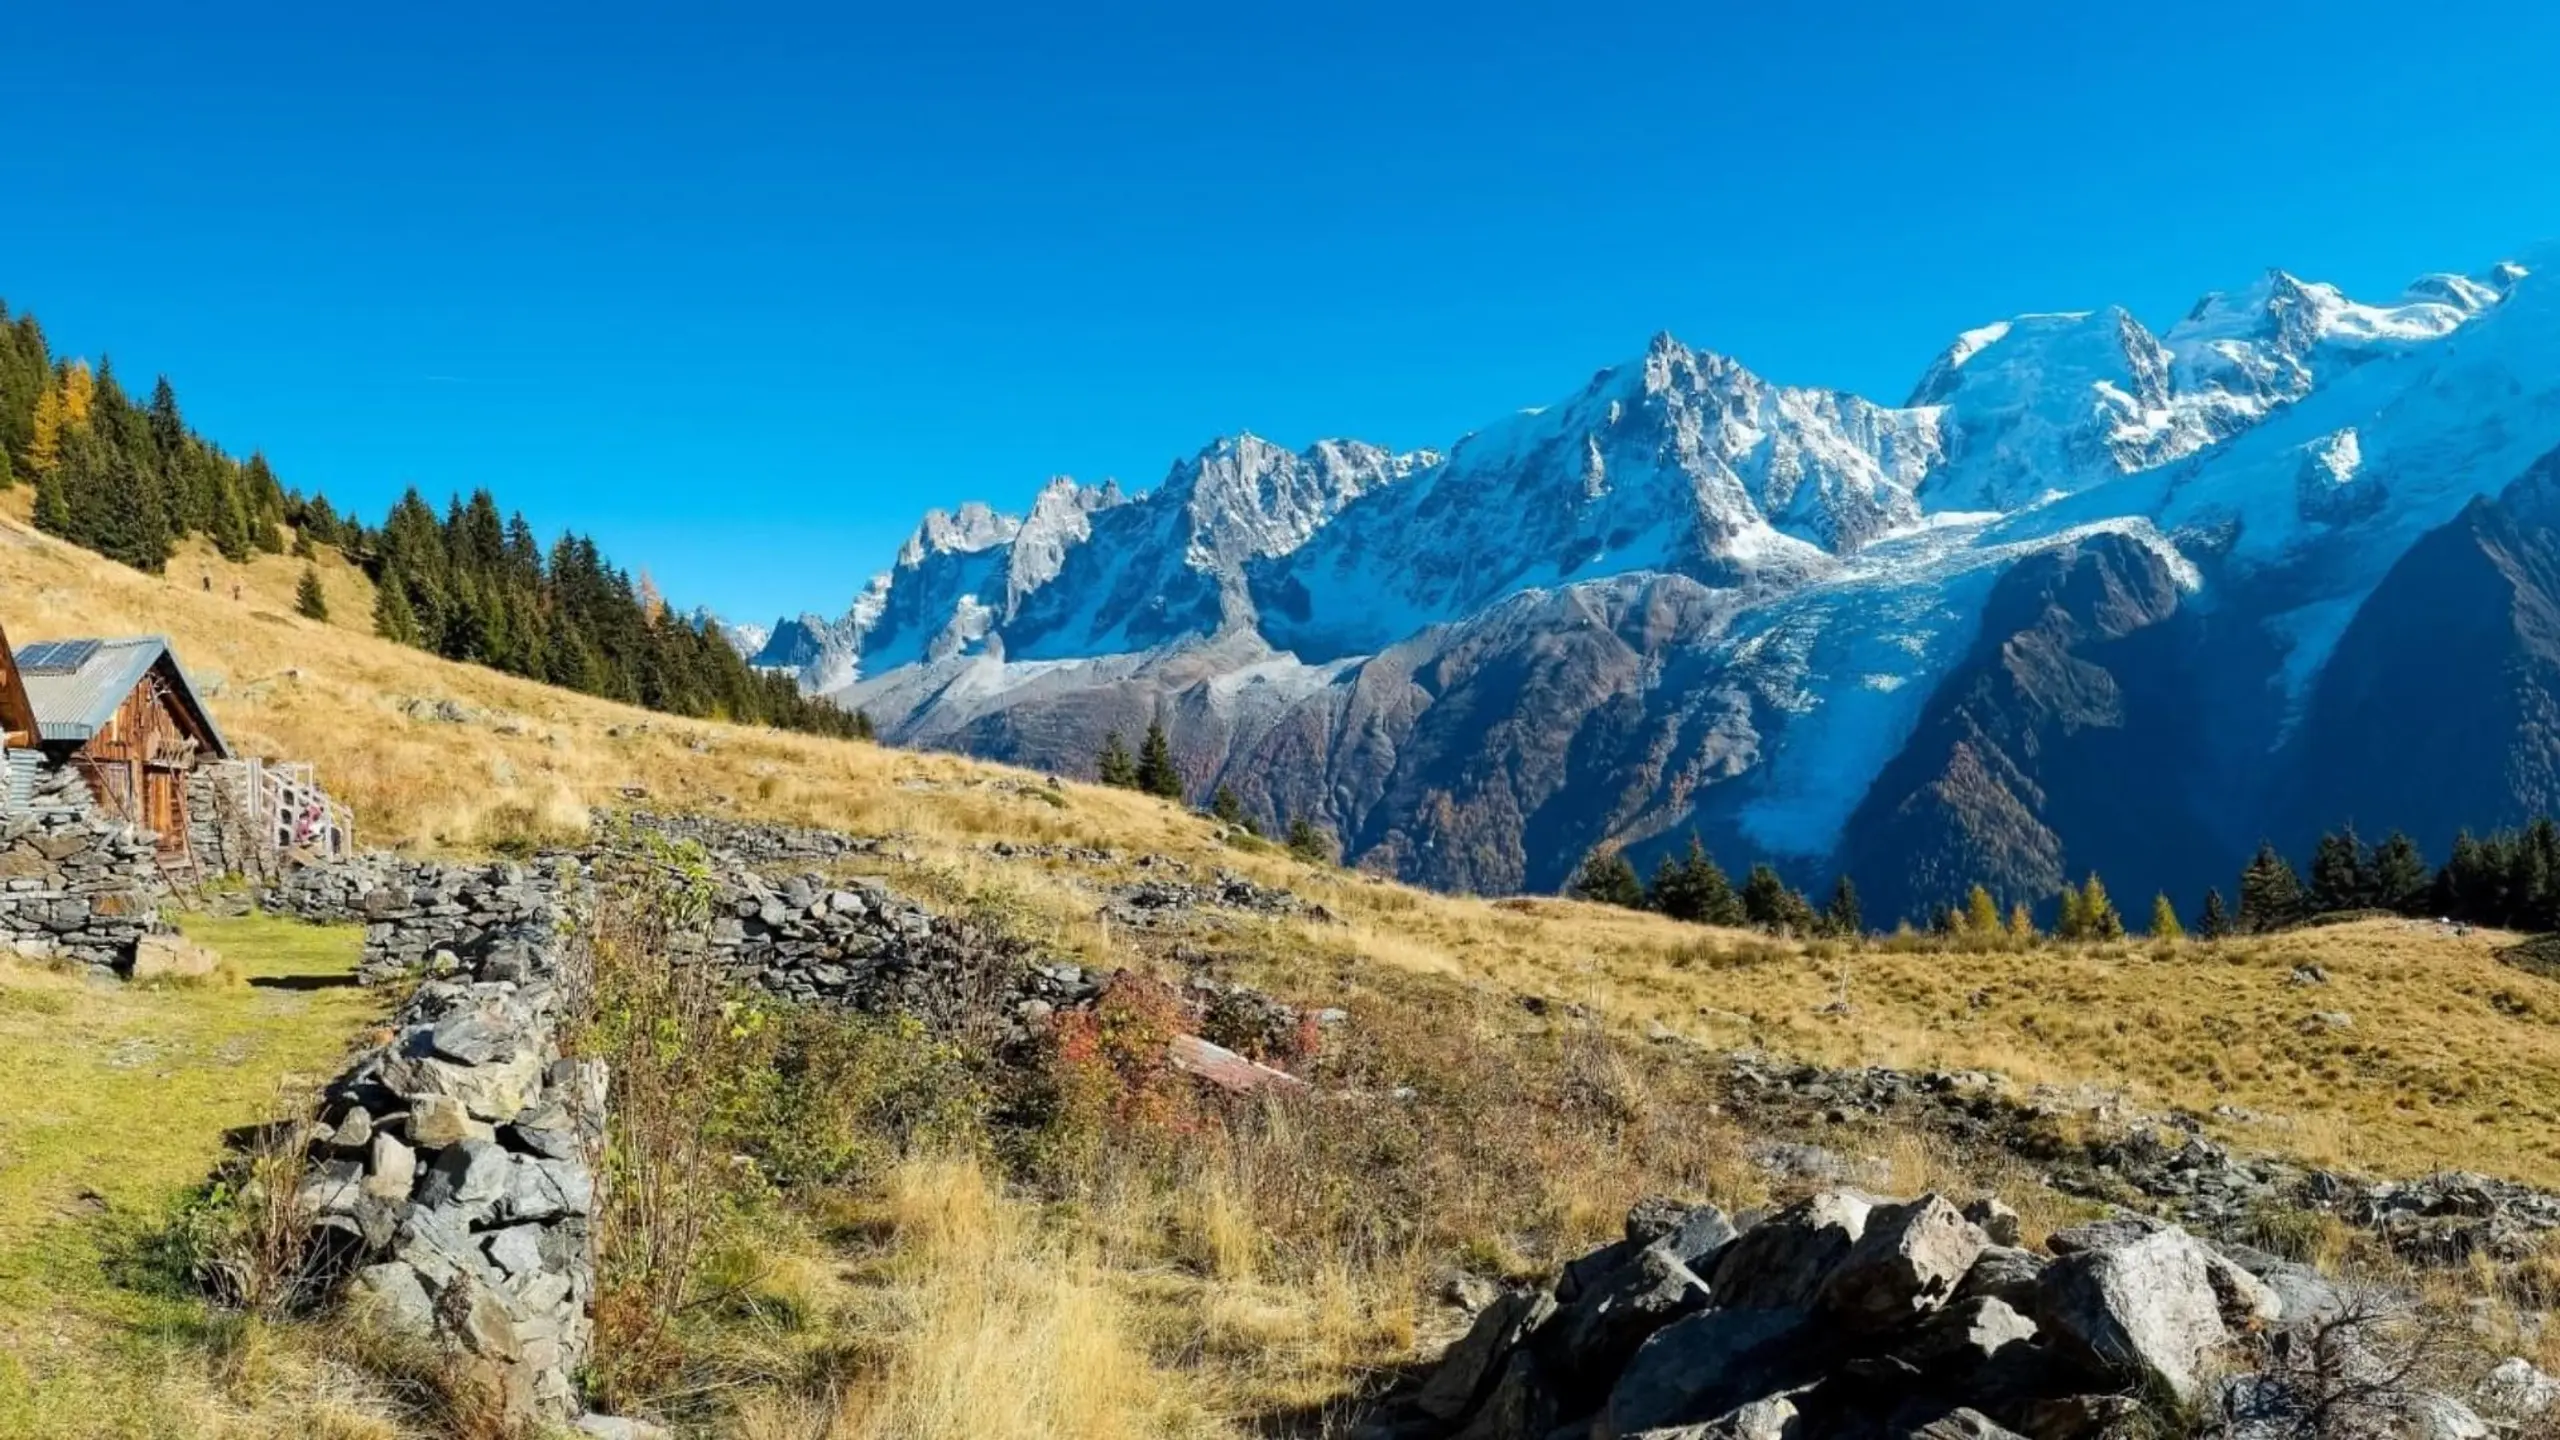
x=1247, y=1281
x=2451, y=1059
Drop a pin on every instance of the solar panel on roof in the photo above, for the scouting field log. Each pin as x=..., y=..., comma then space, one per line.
x=56, y=657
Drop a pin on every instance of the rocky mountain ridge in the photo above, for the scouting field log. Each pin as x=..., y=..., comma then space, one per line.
x=1686, y=597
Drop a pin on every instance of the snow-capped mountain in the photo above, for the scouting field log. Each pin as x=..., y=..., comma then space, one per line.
x=1929, y=643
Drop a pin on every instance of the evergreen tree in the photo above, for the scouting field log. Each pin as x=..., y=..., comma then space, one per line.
x=1842, y=916
x=1156, y=773
x=2397, y=875
x=1113, y=766
x=1981, y=914
x=2098, y=917
x=308, y=601
x=1606, y=877
x=1228, y=808
x=2164, y=920
x=1309, y=842
x=1694, y=888
x=1766, y=899
x=863, y=729
x=2213, y=922
x=2270, y=892
x=392, y=617
x=2069, y=923
x=2337, y=873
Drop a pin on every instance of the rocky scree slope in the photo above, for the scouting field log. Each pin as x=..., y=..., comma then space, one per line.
x=1842, y=1315
x=1685, y=596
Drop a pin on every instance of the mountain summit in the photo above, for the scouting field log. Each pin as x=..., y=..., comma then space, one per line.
x=2067, y=607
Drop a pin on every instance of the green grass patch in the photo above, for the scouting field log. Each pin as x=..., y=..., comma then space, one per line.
x=114, y=1101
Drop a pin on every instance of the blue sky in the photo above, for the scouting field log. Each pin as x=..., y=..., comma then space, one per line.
x=741, y=289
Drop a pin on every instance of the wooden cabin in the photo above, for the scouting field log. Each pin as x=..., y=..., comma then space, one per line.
x=19, y=755
x=125, y=715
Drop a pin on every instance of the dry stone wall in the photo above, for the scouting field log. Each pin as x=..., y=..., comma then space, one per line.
x=76, y=884
x=453, y=1180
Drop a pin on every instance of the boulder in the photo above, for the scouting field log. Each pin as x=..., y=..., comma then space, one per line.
x=1956, y=1424
x=2248, y=1303
x=494, y=1091
x=168, y=957
x=1782, y=1262
x=1521, y=1407
x=2105, y=1234
x=1591, y=1340
x=1708, y=1366
x=391, y=1168
x=2516, y=1390
x=2003, y=1272
x=1774, y=1418
x=2143, y=1310
x=1996, y=1220
x=436, y=1121
x=390, y=1295
x=470, y=1174
x=1965, y=1337
x=1907, y=1262
x=1471, y=1366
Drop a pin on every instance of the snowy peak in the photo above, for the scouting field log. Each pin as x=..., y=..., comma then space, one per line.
x=1244, y=498
x=970, y=529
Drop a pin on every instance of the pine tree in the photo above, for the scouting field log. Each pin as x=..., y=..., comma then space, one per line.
x=308, y=600
x=2213, y=922
x=2270, y=892
x=2069, y=923
x=1842, y=915
x=1113, y=766
x=1694, y=887
x=2098, y=917
x=2337, y=873
x=1228, y=808
x=1309, y=842
x=1606, y=877
x=863, y=729
x=2397, y=874
x=2164, y=919
x=2022, y=922
x=1765, y=899
x=1981, y=914
x=393, y=619
x=1156, y=773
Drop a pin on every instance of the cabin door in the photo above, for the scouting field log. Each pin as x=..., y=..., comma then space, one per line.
x=164, y=805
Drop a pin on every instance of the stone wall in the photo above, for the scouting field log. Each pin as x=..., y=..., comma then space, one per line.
x=76, y=884
x=454, y=1177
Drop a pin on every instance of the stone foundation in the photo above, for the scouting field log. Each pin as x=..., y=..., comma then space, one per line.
x=76, y=884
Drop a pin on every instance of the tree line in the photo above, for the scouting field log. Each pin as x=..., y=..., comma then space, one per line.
x=1153, y=771
x=130, y=481
x=1693, y=887
x=2509, y=879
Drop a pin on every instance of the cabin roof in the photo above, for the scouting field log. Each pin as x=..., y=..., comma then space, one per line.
x=76, y=685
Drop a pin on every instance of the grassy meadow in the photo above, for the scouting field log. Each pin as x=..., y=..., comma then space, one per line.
x=1243, y=1273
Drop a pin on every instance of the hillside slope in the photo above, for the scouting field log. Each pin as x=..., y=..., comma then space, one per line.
x=526, y=760
x=1551, y=1062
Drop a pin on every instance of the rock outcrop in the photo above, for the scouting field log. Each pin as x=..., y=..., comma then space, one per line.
x=1844, y=1316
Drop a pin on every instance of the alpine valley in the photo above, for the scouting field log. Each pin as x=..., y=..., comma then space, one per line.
x=2095, y=597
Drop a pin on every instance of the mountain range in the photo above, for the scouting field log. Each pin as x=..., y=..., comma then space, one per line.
x=2094, y=597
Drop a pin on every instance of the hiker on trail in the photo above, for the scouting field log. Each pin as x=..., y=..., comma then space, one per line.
x=208, y=582
x=235, y=589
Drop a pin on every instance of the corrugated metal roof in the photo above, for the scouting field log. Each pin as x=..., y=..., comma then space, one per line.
x=74, y=706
